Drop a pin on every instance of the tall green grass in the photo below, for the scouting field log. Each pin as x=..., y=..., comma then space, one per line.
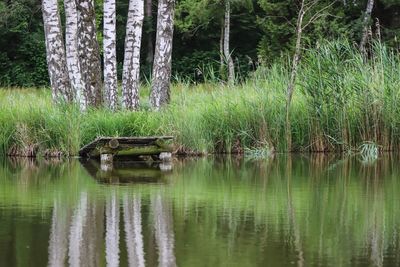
x=341, y=101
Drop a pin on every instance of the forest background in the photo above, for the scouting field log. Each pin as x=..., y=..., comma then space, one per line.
x=262, y=33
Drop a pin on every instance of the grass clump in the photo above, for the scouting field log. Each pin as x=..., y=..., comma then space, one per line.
x=341, y=101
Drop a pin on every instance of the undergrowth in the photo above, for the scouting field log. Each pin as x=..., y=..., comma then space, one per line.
x=340, y=102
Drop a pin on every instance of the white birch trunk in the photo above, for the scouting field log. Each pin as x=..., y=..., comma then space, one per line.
x=221, y=49
x=71, y=44
x=131, y=68
x=164, y=232
x=160, y=90
x=227, y=52
x=55, y=53
x=89, y=53
x=366, y=25
x=110, y=55
x=112, y=231
x=293, y=73
x=133, y=231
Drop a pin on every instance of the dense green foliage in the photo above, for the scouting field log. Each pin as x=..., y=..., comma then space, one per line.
x=262, y=33
x=340, y=103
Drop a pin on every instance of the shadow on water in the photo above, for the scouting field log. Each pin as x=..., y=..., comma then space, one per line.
x=305, y=210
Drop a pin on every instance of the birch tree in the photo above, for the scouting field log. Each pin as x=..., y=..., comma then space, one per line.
x=131, y=68
x=366, y=25
x=226, y=38
x=71, y=44
x=55, y=53
x=160, y=89
x=110, y=57
x=306, y=7
x=89, y=53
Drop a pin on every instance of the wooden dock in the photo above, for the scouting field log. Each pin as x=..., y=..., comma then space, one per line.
x=108, y=147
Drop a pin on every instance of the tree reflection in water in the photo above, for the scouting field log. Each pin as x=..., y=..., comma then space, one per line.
x=87, y=244
x=164, y=231
x=133, y=230
x=112, y=230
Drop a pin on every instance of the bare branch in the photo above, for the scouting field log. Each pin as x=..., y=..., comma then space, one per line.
x=319, y=14
x=283, y=17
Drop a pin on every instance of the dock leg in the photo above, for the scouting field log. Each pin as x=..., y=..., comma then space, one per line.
x=106, y=162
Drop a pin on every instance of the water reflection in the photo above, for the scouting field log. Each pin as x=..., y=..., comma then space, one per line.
x=86, y=241
x=125, y=172
x=304, y=211
x=163, y=227
x=112, y=230
x=133, y=230
x=78, y=221
x=58, y=235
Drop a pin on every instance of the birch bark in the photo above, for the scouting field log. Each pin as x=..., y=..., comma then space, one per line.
x=55, y=53
x=227, y=52
x=131, y=69
x=293, y=73
x=160, y=90
x=110, y=55
x=89, y=53
x=71, y=44
x=367, y=17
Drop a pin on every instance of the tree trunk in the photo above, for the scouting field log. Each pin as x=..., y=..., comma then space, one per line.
x=293, y=74
x=56, y=61
x=133, y=40
x=366, y=25
x=221, y=50
x=160, y=90
x=110, y=55
x=149, y=22
x=89, y=52
x=227, y=52
x=71, y=44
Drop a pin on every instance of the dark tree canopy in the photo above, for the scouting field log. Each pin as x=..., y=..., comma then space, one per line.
x=262, y=32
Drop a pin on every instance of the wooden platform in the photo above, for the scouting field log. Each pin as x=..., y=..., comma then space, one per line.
x=127, y=146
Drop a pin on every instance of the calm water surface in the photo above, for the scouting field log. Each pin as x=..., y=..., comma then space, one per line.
x=297, y=211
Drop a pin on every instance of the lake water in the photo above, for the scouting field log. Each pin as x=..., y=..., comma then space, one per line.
x=283, y=211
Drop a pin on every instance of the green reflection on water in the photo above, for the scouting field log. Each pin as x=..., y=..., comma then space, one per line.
x=300, y=211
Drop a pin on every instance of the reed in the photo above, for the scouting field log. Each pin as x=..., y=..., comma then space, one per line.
x=341, y=101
